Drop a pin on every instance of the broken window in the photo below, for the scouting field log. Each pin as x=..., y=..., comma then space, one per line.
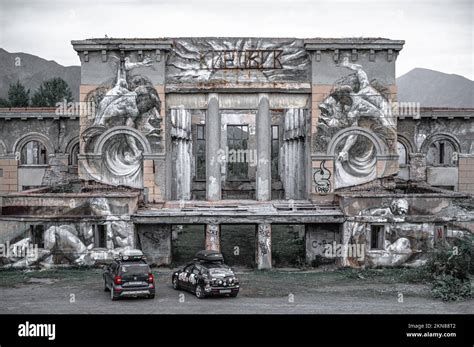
x=441, y=153
x=402, y=154
x=237, y=143
x=376, y=236
x=33, y=153
x=100, y=236
x=200, y=152
x=36, y=235
x=275, y=150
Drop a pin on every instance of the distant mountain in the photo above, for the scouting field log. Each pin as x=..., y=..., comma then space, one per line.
x=33, y=71
x=430, y=88
x=435, y=89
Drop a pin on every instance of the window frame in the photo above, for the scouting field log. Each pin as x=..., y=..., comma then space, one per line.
x=441, y=145
x=406, y=163
x=97, y=237
x=228, y=170
x=74, y=161
x=24, y=154
x=380, y=237
x=198, y=154
x=275, y=156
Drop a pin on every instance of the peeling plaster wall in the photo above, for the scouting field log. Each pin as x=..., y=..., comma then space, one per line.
x=319, y=237
x=155, y=242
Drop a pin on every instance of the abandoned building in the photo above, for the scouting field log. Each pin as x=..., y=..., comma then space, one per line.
x=278, y=152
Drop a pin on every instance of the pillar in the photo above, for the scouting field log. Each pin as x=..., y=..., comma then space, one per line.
x=213, y=237
x=418, y=167
x=264, y=169
x=264, y=246
x=213, y=144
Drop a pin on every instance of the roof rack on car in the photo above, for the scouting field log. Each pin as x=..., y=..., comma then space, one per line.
x=207, y=255
x=131, y=254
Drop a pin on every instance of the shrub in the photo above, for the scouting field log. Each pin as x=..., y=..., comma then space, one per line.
x=450, y=266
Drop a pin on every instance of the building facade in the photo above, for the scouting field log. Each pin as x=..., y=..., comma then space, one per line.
x=274, y=151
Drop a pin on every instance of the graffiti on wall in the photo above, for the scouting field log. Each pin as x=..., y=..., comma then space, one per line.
x=321, y=178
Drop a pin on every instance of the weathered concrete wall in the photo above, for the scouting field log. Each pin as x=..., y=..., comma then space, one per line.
x=155, y=242
x=319, y=243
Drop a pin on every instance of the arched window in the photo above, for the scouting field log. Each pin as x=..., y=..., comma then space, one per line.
x=402, y=154
x=441, y=152
x=33, y=153
x=73, y=155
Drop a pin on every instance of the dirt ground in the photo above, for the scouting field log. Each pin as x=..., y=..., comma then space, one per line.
x=278, y=291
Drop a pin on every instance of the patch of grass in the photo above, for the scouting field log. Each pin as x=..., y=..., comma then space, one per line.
x=388, y=275
x=12, y=277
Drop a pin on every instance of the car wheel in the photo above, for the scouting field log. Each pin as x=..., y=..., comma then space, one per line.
x=175, y=282
x=151, y=296
x=106, y=289
x=233, y=295
x=113, y=297
x=199, y=292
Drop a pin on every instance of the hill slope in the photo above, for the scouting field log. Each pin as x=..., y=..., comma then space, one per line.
x=435, y=89
x=35, y=70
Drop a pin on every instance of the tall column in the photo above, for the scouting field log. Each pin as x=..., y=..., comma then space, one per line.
x=264, y=168
x=213, y=237
x=213, y=145
x=264, y=246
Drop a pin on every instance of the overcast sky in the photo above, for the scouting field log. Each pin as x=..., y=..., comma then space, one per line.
x=438, y=34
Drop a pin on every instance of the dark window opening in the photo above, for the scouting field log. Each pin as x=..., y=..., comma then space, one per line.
x=33, y=153
x=441, y=153
x=37, y=235
x=1, y=172
x=402, y=154
x=275, y=151
x=237, y=143
x=100, y=236
x=74, y=154
x=376, y=236
x=201, y=152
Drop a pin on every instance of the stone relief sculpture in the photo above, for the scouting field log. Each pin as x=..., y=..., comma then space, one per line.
x=132, y=102
x=224, y=59
x=74, y=243
x=393, y=253
x=352, y=103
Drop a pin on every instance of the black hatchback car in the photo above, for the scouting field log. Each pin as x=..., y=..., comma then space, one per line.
x=207, y=275
x=129, y=275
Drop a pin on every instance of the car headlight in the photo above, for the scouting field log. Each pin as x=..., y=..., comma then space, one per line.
x=220, y=282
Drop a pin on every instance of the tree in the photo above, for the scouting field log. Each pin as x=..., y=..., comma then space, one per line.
x=18, y=96
x=51, y=92
x=4, y=102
